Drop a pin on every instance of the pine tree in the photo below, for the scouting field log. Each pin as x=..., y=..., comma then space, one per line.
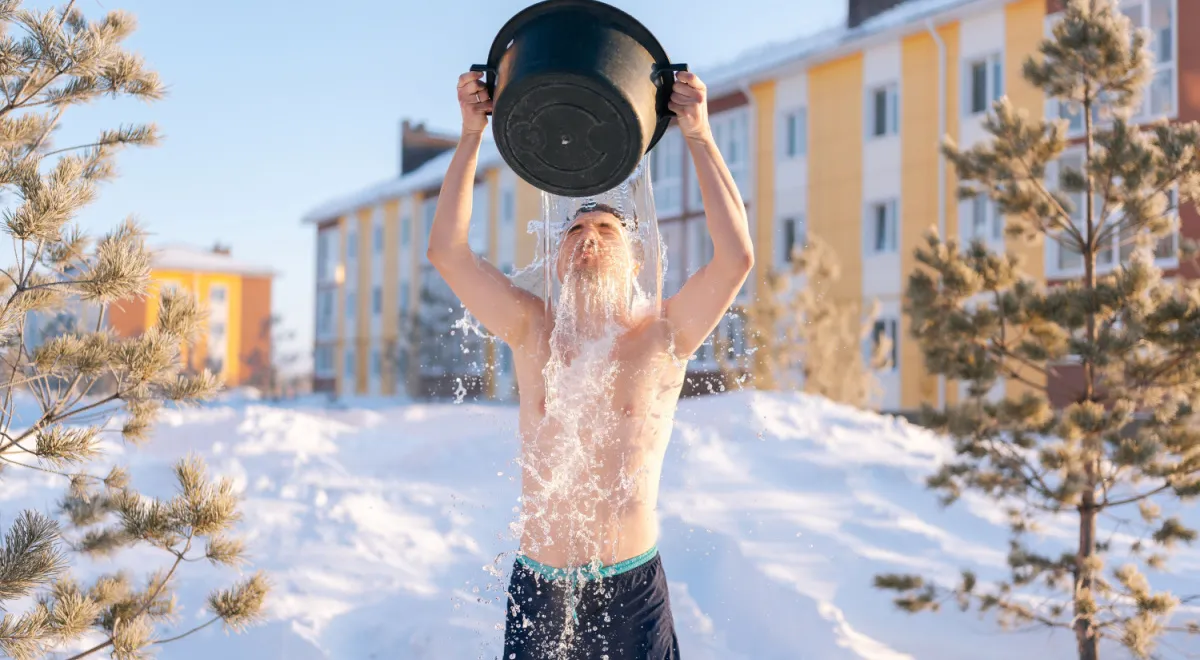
x=805, y=338
x=61, y=396
x=1127, y=435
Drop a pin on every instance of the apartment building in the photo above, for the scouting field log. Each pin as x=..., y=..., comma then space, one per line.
x=236, y=341
x=835, y=135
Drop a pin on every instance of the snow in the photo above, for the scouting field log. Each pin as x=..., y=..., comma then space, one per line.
x=187, y=258
x=771, y=56
x=376, y=520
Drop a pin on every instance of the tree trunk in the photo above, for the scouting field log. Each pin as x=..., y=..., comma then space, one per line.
x=1085, y=630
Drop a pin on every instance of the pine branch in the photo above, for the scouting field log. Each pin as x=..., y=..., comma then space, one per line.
x=146, y=602
x=15, y=102
x=1135, y=498
x=196, y=629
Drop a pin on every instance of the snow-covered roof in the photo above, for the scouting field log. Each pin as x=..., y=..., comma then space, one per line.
x=761, y=62
x=764, y=60
x=188, y=258
x=428, y=175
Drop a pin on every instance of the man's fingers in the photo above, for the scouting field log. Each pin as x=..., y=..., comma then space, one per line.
x=690, y=79
x=675, y=107
x=473, y=93
x=468, y=77
x=688, y=91
x=682, y=100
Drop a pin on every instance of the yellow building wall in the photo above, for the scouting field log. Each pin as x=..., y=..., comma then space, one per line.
x=836, y=178
x=415, y=243
x=198, y=284
x=362, y=342
x=763, y=95
x=391, y=284
x=1024, y=22
x=920, y=144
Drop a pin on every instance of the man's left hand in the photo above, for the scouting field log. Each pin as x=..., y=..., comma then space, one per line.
x=689, y=102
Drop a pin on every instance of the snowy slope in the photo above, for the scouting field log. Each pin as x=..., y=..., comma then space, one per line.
x=377, y=523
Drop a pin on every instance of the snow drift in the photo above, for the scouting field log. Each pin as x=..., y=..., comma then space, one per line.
x=377, y=522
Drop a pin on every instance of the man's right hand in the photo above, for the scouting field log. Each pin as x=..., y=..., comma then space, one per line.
x=473, y=101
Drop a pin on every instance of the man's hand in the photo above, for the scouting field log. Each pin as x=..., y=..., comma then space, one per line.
x=473, y=101
x=689, y=102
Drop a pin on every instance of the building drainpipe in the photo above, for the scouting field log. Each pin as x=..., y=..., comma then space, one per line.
x=941, y=182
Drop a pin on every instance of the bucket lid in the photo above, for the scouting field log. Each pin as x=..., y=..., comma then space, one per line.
x=574, y=167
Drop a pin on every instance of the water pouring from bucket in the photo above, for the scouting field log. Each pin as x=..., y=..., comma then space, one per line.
x=599, y=359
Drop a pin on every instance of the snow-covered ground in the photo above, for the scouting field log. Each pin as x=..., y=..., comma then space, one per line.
x=376, y=522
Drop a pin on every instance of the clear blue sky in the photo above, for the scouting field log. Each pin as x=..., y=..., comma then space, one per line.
x=275, y=107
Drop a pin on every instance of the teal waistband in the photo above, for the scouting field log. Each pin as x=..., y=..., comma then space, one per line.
x=587, y=572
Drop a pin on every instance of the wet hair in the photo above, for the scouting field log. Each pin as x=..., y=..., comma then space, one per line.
x=628, y=221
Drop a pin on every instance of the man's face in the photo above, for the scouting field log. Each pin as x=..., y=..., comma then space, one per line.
x=595, y=244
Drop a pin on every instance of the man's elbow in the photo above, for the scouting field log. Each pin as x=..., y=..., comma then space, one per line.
x=437, y=255
x=743, y=260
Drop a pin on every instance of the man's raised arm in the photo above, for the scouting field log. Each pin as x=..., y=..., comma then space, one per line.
x=490, y=296
x=698, y=307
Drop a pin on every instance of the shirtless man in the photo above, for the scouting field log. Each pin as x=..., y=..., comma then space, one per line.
x=601, y=578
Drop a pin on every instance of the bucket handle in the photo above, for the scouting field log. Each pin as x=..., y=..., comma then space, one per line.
x=664, y=73
x=489, y=79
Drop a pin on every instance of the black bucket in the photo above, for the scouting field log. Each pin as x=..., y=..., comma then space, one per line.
x=580, y=92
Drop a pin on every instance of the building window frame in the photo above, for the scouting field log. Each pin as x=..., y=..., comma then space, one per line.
x=889, y=326
x=793, y=133
x=793, y=230
x=881, y=223
x=883, y=111
x=978, y=101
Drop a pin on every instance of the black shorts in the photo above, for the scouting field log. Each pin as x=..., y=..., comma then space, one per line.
x=620, y=617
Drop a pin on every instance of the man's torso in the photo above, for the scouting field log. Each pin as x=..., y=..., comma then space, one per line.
x=594, y=429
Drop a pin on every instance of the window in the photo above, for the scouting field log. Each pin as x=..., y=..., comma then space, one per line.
x=405, y=231
x=377, y=238
x=216, y=294
x=323, y=359
x=886, y=328
x=351, y=246
x=881, y=227
x=404, y=294
x=1158, y=18
x=350, y=306
x=981, y=221
x=984, y=83
x=666, y=170
x=376, y=362
x=795, y=133
x=376, y=300
x=350, y=364
x=216, y=331
x=325, y=312
x=794, y=238
x=884, y=111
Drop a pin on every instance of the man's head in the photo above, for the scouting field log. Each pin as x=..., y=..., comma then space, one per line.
x=597, y=242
